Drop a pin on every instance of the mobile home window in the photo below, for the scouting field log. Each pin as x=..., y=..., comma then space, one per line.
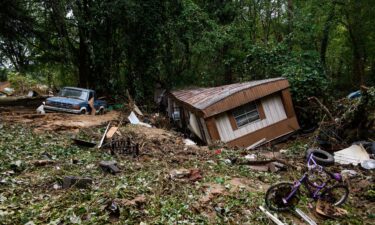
x=246, y=114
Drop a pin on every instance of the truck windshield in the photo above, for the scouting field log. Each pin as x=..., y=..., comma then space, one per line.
x=72, y=93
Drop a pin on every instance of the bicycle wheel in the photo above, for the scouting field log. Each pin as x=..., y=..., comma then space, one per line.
x=337, y=194
x=276, y=193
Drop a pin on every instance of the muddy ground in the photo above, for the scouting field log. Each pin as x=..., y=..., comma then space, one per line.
x=53, y=121
x=168, y=183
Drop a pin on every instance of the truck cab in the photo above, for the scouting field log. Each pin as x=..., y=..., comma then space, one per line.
x=75, y=100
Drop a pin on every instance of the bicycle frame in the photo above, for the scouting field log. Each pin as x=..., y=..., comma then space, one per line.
x=315, y=191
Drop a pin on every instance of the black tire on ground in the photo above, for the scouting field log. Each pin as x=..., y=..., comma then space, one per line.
x=321, y=157
x=275, y=194
x=337, y=194
x=101, y=111
x=83, y=111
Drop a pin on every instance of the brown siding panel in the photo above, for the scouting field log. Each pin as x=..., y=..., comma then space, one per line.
x=212, y=129
x=232, y=120
x=262, y=115
x=287, y=102
x=270, y=133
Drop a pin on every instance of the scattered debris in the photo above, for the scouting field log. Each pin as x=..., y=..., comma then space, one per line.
x=272, y=217
x=17, y=166
x=40, y=109
x=328, y=210
x=104, y=135
x=137, y=201
x=137, y=110
x=181, y=174
x=43, y=162
x=253, y=146
x=114, y=210
x=125, y=147
x=8, y=91
x=212, y=191
x=268, y=167
x=349, y=173
x=134, y=120
x=368, y=164
x=251, y=157
x=79, y=182
x=4, y=85
x=189, y=142
x=355, y=155
x=111, y=132
x=109, y=167
x=305, y=217
x=84, y=143
x=33, y=93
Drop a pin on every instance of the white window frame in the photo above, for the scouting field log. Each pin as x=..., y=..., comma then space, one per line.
x=247, y=113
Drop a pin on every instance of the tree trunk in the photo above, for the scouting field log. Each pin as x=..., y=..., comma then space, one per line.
x=83, y=65
x=327, y=27
x=358, y=62
x=290, y=21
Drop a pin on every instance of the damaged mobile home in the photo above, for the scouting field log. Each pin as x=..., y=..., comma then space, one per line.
x=241, y=114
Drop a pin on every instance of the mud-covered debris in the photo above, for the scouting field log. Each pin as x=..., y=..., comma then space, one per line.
x=138, y=201
x=79, y=182
x=179, y=174
x=113, y=209
x=43, y=162
x=326, y=209
x=271, y=216
x=124, y=146
x=349, y=173
x=17, y=165
x=250, y=157
x=189, y=142
x=213, y=190
x=368, y=164
x=186, y=174
x=268, y=167
x=84, y=143
x=111, y=132
x=195, y=174
x=305, y=217
x=109, y=167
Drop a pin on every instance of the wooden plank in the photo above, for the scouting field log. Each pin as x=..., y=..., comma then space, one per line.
x=111, y=132
x=232, y=120
x=104, y=135
x=287, y=102
x=262, y=115
x=272, y=217
x=212, y=129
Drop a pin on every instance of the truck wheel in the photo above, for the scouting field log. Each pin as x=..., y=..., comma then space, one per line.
x=101, y=111
x=83, y=111
x=321, y=157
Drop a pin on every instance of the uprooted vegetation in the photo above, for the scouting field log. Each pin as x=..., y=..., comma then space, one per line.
x=167, y=183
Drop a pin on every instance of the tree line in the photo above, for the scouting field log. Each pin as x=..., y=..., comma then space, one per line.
x=323, y=47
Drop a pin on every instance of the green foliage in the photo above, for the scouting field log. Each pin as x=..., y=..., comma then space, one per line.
x=306, y=76
x=303, y=70
x=20, y=82
x=116, y=45
x=3, y=75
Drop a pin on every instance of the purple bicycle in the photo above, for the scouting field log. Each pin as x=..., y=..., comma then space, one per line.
x=320, y=184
